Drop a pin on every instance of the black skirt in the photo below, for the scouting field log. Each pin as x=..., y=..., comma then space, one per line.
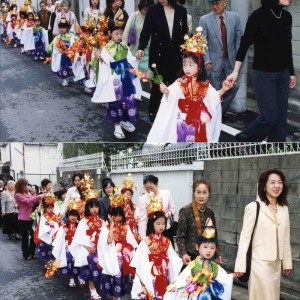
x=10, y=223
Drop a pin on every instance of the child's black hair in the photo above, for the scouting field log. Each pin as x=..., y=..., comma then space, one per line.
x=118, y=211
x=202, y=76
x=203, y=240
x=152, y=218
x=59, y=194
x=91, y=203
x=73, y=212
x=48, y=205
x=30, y=13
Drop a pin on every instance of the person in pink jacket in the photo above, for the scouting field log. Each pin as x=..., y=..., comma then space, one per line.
x=25, y=203
x=150, y=184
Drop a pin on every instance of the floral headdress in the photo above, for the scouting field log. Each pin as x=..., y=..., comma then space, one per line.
x=50, y=199
x=87, y=188
x=197, y=44
x=77, y=204
x=116, y=199
x=128, y=183
x=154, y=205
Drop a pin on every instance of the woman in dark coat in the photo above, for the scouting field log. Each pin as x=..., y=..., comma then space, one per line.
x=166, y=24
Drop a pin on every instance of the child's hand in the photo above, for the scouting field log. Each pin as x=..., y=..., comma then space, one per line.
x=227, y=85
x=186, y=259
x=78, y=58
x=164, y=89
x=238, y=274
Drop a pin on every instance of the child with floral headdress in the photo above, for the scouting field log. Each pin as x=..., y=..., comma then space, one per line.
x=132, y=211
x=21, y=22
x=203, y=278
x=46, y=229
x=116, y=86
x=156, y=262
x=118, y=285
x=61, y=63
x=89, y=246
x=4, y=14
x=12, y=28
x=61, y=244
x=190, y=110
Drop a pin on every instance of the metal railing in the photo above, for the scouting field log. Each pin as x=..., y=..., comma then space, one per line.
x=86, y=162
x=186, y=154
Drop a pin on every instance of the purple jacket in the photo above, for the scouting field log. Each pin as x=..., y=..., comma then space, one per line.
x=25, y=204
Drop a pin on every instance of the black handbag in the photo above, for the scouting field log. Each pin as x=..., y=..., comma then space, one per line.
x=172, y=231
x=245, y=278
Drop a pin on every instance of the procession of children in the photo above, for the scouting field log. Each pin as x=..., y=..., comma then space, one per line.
x=110, y=257
x=95, y=55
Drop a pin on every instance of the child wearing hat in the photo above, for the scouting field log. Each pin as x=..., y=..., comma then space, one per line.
x=61, y=63
x=116, y=86
x=203, y=278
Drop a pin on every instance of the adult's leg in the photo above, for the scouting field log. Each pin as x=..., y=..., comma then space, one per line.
x=278, y=133
x=24, y=233
x=31, y=242
x=264, y=84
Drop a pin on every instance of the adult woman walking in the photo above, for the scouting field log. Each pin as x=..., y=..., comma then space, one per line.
x=112, y=6
x=269, y=28
x=192, y=219
x=75, y=190
x=166, y=24
x=10, y=211
x=151, y=185
x=92, y=13
x=271, y=240
x=135, y=23
x=25, y=203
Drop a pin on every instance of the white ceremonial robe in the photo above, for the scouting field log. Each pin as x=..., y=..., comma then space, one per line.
x=60, y=245
x=56, y=56
x=105, y=91
x=45, y=231
x=164, y=128
x=59, y=210
x=28, y=39
x=181, y=283
x=78, y=67
x=143, y=267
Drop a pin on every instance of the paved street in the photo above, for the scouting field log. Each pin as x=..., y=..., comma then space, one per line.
x=36, y=108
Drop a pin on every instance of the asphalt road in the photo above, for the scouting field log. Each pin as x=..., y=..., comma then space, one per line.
x=34, y=107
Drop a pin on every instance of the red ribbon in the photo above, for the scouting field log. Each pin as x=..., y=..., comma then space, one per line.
x=160, y=266
x=125, y=252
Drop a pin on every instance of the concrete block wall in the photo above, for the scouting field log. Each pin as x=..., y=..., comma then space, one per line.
x=233, y=183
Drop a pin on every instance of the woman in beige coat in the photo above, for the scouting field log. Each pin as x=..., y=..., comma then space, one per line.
x=271, y=240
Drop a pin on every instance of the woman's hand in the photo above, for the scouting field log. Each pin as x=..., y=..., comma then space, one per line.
x=44, y=195
x=140, y=54
x=90, y=249
x=292, y=82
x=186, y=259
x=164, y=89
x=232, y=78
x=238, y=274
x=3, y=213
x=287, y=272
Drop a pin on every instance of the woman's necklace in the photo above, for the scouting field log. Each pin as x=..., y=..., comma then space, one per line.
x=275, y=15
x=273, y=207
x=201, y=210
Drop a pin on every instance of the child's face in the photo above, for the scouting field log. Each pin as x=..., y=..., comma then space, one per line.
x=65, y=8
x=63, y=196
x=94, y=210
x=63, y=31
x=49, y=209
x=72, y=218
x=159, y=225
x=190, y=68
x=117, y=35
x=117, y=219
x=207, y=250
x=38, y=23
x=30, y=17
x=95, y=2
x=128, y=195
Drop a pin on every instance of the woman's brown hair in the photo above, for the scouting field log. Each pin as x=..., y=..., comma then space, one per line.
x=262, y=182
x=20, y=185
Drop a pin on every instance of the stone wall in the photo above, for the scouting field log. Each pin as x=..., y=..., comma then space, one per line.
x=233, y=184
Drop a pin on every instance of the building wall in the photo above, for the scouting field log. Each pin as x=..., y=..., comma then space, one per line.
x=233, y=183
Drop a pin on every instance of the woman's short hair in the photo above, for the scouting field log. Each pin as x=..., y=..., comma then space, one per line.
x=91, y=203
x=37, y=189
x=65, y=2
x=172, y=3
x=150, y=178
x=262, y=182
x=269, y=2
x=10, y=182
x=201, y=181
x=145, y=3
x=152, y=218
x=45, y=182
x=105, y=183
x=21, y=185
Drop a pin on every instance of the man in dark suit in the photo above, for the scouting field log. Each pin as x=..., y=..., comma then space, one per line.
x=166, y=24
x=44, y=15
x=223, y=32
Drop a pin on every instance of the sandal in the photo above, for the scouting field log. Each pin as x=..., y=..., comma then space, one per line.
x=127, y=126
x=119, y=134
x=72, y=283
x=81, y=282
x=94, y=295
